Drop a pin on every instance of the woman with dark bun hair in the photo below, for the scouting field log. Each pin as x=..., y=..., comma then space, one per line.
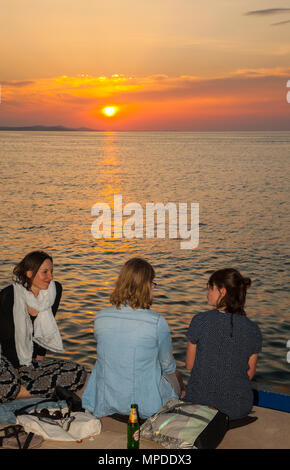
x=28, y=328
x=223, y=346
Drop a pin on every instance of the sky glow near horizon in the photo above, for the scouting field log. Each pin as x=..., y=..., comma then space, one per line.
x=165, y=65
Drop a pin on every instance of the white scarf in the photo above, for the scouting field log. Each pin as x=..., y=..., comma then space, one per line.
x=46, y=332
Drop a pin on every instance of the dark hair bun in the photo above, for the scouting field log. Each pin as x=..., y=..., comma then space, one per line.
x=247, y=282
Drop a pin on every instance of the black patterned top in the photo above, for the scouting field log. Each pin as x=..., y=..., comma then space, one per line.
x=219, y=376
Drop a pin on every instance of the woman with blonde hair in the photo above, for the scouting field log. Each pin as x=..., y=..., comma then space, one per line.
x=134, y=363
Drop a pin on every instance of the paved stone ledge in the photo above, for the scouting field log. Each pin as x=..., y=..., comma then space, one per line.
x=270, y=431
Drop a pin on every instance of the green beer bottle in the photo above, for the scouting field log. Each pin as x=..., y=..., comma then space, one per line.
x=133, y=429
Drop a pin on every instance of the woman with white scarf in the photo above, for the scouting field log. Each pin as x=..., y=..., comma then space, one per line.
x=28, y=328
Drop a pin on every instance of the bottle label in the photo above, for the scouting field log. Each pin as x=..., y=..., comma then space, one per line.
x=133, y=416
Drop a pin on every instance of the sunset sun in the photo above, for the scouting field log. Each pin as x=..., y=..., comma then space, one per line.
x=109, y=110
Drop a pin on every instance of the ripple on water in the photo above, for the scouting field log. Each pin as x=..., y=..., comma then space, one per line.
x=243, y=197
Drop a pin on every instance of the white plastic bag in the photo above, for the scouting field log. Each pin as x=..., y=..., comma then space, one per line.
x=79, y=425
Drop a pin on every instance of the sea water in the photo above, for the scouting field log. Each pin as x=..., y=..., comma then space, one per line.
x=51, y=181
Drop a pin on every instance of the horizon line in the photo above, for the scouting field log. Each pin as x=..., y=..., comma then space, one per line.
x=61, y=128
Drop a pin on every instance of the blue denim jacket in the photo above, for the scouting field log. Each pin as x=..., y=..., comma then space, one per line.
x=134, y=350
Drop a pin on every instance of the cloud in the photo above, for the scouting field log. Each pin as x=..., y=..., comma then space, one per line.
x=94, y=91
x=280, y=22
x=263, y=72
x=17, y=84
x=268, y=11
x=246, y=96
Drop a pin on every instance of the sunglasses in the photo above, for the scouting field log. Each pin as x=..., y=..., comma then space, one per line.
x=55, y=417
x=45, y=413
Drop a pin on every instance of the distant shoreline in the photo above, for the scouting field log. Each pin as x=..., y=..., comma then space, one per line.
x=86, y=129
x=47, y=128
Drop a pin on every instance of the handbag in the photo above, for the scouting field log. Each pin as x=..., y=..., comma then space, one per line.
x=183, y=425
x=63, y=420
x=75, y=427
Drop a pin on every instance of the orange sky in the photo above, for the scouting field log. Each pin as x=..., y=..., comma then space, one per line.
x=176, y=65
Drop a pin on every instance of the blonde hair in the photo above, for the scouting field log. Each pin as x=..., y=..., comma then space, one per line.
x=134, y=285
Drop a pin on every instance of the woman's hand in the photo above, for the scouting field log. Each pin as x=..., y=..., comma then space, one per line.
x=252, y=365
x=32, y=311
x=39, y=358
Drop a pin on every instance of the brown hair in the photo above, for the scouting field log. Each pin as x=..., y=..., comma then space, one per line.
x=31, y=262
x=134, y=284
x=236, y=289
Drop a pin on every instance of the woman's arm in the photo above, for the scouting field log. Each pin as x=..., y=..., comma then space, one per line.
x=165, y=354
x=55, y=306
x=7, y=337
x=252, y=365
x=6, y=314
x=190, y=355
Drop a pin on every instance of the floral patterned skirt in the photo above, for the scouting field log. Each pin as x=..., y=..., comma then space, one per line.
x=40, y=378
x=9, y=381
